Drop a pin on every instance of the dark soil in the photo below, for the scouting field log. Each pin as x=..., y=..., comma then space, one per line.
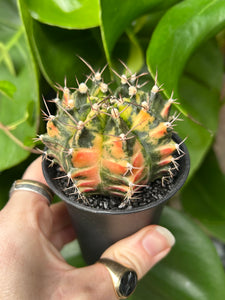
x=153, y=192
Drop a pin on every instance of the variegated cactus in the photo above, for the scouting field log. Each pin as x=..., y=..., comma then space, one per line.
x=111, y=142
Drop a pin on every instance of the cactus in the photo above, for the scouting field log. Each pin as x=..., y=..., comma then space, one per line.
x=111, y=142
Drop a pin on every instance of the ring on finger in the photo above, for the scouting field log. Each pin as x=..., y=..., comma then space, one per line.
x=32, y=186
x=124, y=279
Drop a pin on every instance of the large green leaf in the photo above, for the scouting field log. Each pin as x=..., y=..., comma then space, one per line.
x=198, y=142
x=199, y=89
x=181, y=30
x=204, y=196
x=18, y=73
x=77, y=14
x=116, y=15
x=203, y=74
x=192, y=271
x=56, y=50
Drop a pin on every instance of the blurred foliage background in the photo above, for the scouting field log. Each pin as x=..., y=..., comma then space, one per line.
x=184, y=42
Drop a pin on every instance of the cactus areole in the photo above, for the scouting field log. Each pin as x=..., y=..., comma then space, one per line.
x=111, y=142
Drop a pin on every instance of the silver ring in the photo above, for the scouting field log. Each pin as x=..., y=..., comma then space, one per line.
x=32, y=186
x=124, y=279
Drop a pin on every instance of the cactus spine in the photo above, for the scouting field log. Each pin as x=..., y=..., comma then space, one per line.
x=111, y=142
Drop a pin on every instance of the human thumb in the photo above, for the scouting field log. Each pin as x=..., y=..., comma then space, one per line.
x=143, y=249
x=139, y=252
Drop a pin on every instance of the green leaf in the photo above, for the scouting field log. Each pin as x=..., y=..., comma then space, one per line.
x=117, y=15
x=181, y=30
x=135, y=59
x=199, y=89
x=198, y=141
x=21, y=86
x=7, y=88
x=71, y=253
x=204, y=196
x=56, y=50
x=192, y=270
x=216, y=229
x=203, y=74
x=128, y=49
x=70, y=14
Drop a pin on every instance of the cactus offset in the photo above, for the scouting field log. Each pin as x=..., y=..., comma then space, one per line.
x=111, y=143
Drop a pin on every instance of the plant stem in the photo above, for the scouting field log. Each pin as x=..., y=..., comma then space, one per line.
x=16, y=140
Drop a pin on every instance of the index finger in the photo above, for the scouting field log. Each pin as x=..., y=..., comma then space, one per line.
x=34, y=171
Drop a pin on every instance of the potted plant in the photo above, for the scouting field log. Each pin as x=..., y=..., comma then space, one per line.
x=112, y=157
x=183, y=41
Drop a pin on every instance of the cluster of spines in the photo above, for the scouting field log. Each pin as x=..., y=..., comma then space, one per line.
x=133, y=118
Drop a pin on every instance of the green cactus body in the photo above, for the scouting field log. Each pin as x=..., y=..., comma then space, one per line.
x=111, y=143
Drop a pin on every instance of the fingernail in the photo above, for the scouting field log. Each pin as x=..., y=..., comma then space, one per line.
x=158, y=240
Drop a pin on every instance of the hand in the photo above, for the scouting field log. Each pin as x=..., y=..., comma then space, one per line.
x=31, y=236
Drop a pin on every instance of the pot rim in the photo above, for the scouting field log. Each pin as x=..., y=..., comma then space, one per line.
x=184, y=164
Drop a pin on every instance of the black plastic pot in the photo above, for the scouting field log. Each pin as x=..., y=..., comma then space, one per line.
x=97, y=229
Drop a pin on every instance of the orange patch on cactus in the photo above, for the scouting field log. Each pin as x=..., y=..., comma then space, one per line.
x=166, y=161
x=89, y=173
x=86, y=189
x=87, y=183
x=90, y=177
x=138, y=158
x=166, y=150
x=66, y=95
x=118, y=168
x=85, y=157
x=166, y=109
x=141, y=120
x=121, y=188
x=158, y=131
x=52, y=130
x=113, y=148
x=117, y=149
x=139, y=175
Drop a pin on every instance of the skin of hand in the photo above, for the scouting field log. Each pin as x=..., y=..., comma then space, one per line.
x=32, y=235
